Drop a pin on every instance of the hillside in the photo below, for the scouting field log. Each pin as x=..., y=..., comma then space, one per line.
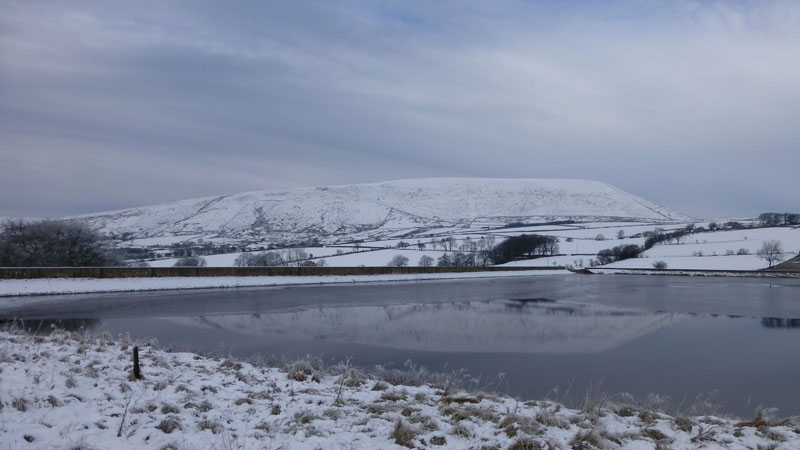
x=380, y=210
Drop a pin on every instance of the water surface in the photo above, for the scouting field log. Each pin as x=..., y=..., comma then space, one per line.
x=731, y=341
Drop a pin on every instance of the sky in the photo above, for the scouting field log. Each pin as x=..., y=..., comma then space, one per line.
x=106, y=105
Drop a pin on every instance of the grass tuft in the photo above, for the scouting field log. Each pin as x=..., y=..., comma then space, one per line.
x=525, y=443
x=169, y=424
x=403, y=434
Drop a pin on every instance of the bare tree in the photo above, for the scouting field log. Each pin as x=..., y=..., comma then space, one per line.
x=444, y=261
x=771, y=251
x=398, y=261
x=425, y=261
x=483, y=258
x=259, y=260
x=293, y=256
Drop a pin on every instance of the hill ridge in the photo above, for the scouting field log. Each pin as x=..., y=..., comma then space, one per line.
x=375, y=210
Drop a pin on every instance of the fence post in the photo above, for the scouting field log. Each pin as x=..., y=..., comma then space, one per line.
x=137, y=374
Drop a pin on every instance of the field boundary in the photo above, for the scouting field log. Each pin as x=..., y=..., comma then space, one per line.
x=19, y=273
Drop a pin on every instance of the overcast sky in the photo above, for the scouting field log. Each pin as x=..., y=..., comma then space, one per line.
x=105, y=105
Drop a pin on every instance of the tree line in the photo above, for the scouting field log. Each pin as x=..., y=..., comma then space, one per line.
x=774, y=219
x=523, y=247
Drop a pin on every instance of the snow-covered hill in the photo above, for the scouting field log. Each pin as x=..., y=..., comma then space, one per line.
x=389, y=209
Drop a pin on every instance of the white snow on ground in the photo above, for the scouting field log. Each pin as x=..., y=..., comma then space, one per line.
x=721, y=241
x=44, y=286
x=228, y=259
x=163, y=240
x=734, y=262
x=66, y=391
x=714, y=247
x=382, y=257
x=549, y=261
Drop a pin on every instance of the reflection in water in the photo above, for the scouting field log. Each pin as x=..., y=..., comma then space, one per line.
x=775, y=322
x=539, y=344
x=512, y=326
x=45, y=325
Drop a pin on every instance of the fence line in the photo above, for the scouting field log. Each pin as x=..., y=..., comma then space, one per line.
x=10, y=273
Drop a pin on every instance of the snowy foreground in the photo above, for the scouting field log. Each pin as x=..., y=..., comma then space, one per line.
x=45, y=286
x=67, y=391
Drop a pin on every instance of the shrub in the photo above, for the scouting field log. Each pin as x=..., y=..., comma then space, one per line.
x=618, y=253
x=660, y=265
x=51, y=243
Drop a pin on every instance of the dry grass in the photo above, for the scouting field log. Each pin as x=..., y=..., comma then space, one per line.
x=427, y=423
x=461, y=431
x=393, y=396
x=20, y=404
x=654, y=434
x=547, y=418
x=403, y=434
x=299, y=370
x=213, y=426
x=380, y=386
x=305, y=417
x=683, y=424
x=203, y=406
x=525, y=443
x=167, y=408
x=514, y=424
x=169, y=424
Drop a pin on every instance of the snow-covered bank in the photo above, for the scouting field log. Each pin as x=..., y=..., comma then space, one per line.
x=48, y=286
x=70, y=391
x=691, y=272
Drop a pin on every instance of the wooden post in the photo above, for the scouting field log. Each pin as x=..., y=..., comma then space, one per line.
x=137, y=374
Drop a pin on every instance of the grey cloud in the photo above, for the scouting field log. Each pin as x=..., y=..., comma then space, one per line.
x=108, y=105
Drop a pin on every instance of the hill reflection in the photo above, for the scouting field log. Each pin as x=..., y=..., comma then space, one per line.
x=500, y=326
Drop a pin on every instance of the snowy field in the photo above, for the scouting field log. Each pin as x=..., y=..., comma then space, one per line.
x=86, y=285
x=711, y=250
x=549, y=261
x=733, y=262
x=228, y=259
x=66, y=391
x=578, y=244
x=699, y=251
